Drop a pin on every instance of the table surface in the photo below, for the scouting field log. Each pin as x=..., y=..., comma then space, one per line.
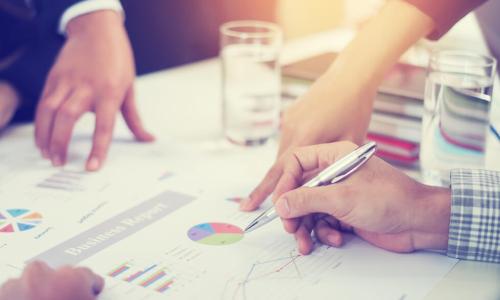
x=184, y=104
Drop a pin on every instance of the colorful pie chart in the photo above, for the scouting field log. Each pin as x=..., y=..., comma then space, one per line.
x=18, y=220
x=215, y=234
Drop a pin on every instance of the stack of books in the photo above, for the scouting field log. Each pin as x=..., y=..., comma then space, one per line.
x=398, y=108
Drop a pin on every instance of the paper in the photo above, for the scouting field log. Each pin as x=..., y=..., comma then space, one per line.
x=162, y=222
x=160, y=259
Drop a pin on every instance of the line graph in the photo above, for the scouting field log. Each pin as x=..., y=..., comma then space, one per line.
x=279, y=268
x=283, y=265
x=286, y=274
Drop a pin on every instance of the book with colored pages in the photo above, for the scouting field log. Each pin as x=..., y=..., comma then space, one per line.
x=408, y=129
x=397, y=109
x=395, y=150
x=403, y=80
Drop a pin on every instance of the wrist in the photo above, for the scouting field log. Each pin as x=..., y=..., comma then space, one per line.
x=95, y=21
x=431, y=218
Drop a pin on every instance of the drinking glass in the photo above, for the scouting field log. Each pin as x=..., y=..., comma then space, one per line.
x=457, y=103
x=251, y=83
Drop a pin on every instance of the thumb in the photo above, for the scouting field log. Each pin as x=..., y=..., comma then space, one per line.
x=304, y=201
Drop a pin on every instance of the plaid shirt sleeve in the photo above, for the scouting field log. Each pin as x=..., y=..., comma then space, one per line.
x=474, y=232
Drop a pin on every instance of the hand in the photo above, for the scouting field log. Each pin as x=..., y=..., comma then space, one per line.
x=39, y=282
x=339, y=104
x=93, y=72
x=314, y=119
x=9, y=101
x=378, y=202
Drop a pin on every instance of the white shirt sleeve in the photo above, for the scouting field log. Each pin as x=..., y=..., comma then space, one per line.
x=86, y=7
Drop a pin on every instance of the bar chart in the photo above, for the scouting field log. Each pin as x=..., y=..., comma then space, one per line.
x=156, y=277
x=72, y=181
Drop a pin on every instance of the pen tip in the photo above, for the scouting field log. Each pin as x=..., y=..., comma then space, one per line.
x=250, y=227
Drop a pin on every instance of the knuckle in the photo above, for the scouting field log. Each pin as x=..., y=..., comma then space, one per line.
x=69, y=113
x=34, y=267
x=297, y=155
x=112, y=87
x=49, y=106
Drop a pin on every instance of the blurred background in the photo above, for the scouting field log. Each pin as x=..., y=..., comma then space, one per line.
x=170, y=33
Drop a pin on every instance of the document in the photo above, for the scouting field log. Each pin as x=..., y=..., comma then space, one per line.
x=162, y=222
x=181, y=247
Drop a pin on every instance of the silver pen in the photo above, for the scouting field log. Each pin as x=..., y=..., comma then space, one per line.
x=336, y=172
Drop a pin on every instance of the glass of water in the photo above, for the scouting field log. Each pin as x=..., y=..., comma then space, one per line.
x=457, y=103
x=251, y=83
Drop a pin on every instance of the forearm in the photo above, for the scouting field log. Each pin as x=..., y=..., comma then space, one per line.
x=377, y=47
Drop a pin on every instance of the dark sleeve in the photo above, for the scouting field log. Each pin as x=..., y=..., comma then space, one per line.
x=49, y=13
x=445, y=13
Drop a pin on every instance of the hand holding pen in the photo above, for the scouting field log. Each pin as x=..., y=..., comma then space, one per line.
x=378, y=202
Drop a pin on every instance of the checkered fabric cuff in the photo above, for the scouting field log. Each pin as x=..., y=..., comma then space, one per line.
x=474, y=232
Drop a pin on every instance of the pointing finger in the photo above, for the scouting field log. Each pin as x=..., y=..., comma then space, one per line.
x=132, y=119
x=103, y=133
x=304, y=201
x=264, y=189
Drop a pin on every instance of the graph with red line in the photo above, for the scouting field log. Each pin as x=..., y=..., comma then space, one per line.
x=283, y=269
x=16, y=220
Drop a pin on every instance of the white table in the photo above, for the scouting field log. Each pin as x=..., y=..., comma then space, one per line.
x=197, y=117
x=183, y=104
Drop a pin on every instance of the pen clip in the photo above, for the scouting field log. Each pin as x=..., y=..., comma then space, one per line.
x=355, y=166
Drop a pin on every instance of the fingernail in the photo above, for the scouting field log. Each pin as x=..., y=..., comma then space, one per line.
x=282, y=207
x=333, y=239
x=57, y=161
x=93, y=164
x=98, y=286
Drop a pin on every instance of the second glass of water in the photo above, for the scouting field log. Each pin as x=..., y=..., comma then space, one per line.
x=251, y=81
x=457, y=103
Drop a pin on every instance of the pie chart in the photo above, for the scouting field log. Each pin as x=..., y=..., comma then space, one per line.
x=215, y=234
x=18, y=220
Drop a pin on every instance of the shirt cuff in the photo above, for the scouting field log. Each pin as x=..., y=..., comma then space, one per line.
x=86, y=7
x=474, y=231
